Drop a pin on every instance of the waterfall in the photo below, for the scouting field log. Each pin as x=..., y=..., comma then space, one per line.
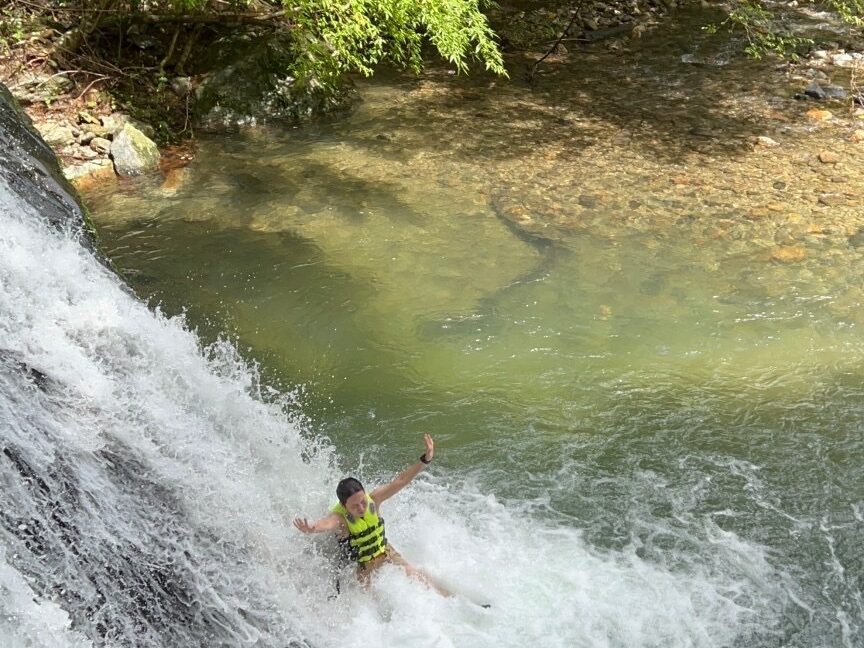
x=148, y=486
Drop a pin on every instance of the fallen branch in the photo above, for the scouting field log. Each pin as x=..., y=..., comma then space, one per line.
x=573, y=16
x=100, y=77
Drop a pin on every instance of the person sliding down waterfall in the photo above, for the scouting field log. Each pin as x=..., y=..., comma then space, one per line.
x=357, y=517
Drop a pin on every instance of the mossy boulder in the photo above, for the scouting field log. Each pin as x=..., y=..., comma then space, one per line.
x=250, y=82
x=133, y=152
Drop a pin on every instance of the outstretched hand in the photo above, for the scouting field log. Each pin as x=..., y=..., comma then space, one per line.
x=430, y=447
x=303, y=525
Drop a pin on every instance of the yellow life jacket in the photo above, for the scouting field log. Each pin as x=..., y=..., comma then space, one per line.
x=366, y=534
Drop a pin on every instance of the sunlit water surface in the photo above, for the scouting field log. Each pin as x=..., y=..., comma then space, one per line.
x=649, y=425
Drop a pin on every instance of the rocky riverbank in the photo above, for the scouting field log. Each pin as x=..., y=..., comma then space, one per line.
x=93, y=141
x=97, y=142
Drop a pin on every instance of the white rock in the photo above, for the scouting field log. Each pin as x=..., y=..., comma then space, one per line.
x=86, y=153
x=93, y=168
x=133, y=152
x=55, y=134
x=100, y=145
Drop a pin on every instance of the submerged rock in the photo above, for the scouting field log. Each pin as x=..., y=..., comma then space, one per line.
x=767, y=142
x=857, y=239
x=814, y=91
x=819, y=115
x=788, y=254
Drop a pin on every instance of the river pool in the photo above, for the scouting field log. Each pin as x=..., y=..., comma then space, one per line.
x=633, y=328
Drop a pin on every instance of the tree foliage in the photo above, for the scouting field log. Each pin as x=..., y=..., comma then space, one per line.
x=766, y=32
x=852, y=11
x=330, y=37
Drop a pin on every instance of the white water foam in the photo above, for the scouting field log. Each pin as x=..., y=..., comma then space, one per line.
x=28, y=622
x=227, y=471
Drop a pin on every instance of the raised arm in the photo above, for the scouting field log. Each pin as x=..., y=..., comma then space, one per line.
x=404, y=478
x=330, y=523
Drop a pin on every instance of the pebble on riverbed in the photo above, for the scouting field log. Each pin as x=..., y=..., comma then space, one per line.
x=788, y=254
x=817, y=115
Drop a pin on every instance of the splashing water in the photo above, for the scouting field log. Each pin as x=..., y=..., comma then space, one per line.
x=148, y=488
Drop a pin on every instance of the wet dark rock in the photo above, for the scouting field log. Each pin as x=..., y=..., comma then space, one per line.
x=30, y=169
x=822, y=92
x=814, y=91
x=834, y=92
x=12, y=361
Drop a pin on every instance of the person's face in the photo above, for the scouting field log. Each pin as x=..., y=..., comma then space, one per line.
x=356, y=504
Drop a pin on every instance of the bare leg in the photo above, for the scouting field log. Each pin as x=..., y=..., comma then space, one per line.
x=424, y=578
x=364, y=574
x=396, y=558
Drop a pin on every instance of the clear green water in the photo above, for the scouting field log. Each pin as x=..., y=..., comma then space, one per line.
x=623, y=354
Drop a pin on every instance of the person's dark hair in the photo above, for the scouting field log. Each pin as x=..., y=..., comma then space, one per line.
x=346, y=488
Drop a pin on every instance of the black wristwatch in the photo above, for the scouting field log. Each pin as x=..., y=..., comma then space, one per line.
x=424, y=459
